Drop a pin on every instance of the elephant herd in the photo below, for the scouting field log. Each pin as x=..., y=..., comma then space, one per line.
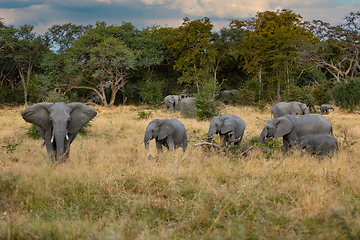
x=59, y=124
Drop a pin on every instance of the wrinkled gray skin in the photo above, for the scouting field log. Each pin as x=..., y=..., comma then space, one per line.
x=292, y=108
x=291, y=127
x=170, y=133
x=59, y=124
x=228, y=96
x=187, y=107
x=324, y=109
x=172, y=102
x=230, y=128
x=319, y=144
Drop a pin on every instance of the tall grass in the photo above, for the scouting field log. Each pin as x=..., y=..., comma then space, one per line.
x=112, y=188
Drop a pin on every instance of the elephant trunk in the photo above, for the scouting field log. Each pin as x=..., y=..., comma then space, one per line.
x=262, y=135
x=211, y=133
x=60, y=137
x=147, y=139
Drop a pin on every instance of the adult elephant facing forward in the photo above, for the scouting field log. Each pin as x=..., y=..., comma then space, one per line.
x=292, y=108
x=59, y=124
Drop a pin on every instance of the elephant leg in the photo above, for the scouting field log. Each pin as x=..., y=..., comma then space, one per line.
x=159, y=146
x=286, y=144
x=170, y=143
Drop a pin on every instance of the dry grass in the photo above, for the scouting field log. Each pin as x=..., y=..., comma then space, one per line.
x=112, y=188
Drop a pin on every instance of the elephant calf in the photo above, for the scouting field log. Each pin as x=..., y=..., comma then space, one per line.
x=325, y=108
x=170, y=133
x=319, y=144
x=172, y=102
x=230, y=128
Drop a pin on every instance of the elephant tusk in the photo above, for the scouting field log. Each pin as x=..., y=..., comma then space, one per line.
x=52, y=138
x=142, y=141
x=211, y=136
x=67, y=137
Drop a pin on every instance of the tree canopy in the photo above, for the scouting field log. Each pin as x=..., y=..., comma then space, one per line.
x=272, y=56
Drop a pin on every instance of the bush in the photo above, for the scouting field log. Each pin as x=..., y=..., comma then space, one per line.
x=205, y=104
x=143, y=114
x=151, y=92
x=246, y=97
x=347, y=95
x=33, y=132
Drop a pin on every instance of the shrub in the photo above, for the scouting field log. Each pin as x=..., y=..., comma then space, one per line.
x=151, y=92
x=143, y=114
x=205, y=104
x=347, y=95
x=33, y=132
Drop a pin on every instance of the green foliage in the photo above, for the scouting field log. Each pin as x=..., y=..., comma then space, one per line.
x=205, y=104
x=295, y=93
x=322, y=93
x=152, y=92
x=11, y=145
x=347, y=95
x=246, y=97
x=33, y=132
x=143, y=114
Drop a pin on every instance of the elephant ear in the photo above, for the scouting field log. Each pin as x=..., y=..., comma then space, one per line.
x=166, y=129
x=283, y=127
x=38, y=114
x=228, y=126
x=80, y=115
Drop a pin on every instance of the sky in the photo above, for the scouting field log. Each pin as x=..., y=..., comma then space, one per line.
x=43, y=14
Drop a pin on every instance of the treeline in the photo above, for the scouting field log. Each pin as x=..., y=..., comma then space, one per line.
x=272, y=56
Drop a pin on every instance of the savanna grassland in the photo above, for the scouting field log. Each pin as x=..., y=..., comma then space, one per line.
x=111, y=188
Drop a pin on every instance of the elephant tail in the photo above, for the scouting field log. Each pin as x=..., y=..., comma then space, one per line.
x=331, y=131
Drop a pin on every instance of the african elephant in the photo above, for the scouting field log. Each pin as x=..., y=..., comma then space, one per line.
x=291, y=127
x=230, y=128
x=187, y=107
x=324, y=109
x=228, y=96
x=172, y=102
x=59, y=124
x=320, y=144
x=292, y=108
x=170, y=133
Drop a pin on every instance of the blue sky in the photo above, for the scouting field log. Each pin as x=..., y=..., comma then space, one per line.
x=144, y=13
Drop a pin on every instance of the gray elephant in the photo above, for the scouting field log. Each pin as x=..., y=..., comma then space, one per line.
x=293, y=108
x=59, y=124
x=324, y=109
x=319, y=144
x=230, y=128
x=172, y=102
x=187, y=107
x=170, y=133
x=291, y=127
x=228, y=96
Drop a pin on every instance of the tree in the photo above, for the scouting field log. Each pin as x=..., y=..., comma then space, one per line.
x=25, y=48
x=270, y=47
x=333, y=51
x=63, y=36
x=193, y=48
x=109, y=62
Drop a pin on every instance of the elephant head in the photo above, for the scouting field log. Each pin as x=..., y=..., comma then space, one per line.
x=276, y=127
x=303, y=109
x=159, y=129
x=302, y=142
x=222, y=124
x=58, y=123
